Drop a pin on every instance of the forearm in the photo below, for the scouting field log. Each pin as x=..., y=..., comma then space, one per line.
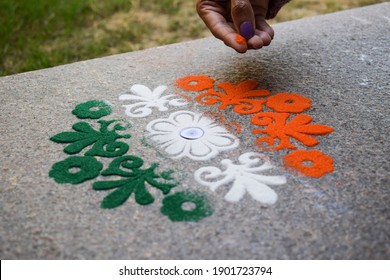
x=274, y=6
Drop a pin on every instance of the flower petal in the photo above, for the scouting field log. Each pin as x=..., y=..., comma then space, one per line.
x=158, y=91
x=142, y=91
x=162, y=126
x=200, y=148
x=206, y=146
x=261, y=192
x=223, y=141
x=177, y=148
x=236, y=192
x=184, y=118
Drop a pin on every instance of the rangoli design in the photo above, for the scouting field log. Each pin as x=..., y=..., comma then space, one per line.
x=312, y=163
x=103, y=141
x=129, y=167
x=75, y=170
x=275, y=113
x=245, y=177
x=278, y=127
x=94, y=109
x=284, y=102
x=278, y=120
x=192, y=135
x=134, y=179
x=242, y=97
x=174, y=206
x=195, y=83
x=143, y=99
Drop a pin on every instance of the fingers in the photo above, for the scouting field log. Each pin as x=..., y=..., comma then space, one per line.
x=214, y=16
x=264, y=31
x=226, y=19
x=243, y=17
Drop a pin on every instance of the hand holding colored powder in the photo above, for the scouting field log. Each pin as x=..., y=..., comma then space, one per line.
x=240, y=24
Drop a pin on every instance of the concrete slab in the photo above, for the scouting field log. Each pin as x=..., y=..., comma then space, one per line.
x=340, y=61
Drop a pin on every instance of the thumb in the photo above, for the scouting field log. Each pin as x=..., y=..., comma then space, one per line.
x=243, y=17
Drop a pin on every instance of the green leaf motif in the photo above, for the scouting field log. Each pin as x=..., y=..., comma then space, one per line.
x=103, y=141
x=134, y=182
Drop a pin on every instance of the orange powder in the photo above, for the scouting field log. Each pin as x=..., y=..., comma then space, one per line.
x=233, y=127
x=310, y=163
x=278, y=127
x=239, y=39
x=195, y=83
x=284, y=102
x=242, y=96
x=186, y=97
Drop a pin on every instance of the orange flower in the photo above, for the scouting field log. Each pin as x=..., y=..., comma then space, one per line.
x=242, y=97
x=288, y=103
x=277, y=127
x=195, y=83
x=310, y=163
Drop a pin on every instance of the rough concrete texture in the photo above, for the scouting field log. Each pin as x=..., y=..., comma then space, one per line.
x=340, y=61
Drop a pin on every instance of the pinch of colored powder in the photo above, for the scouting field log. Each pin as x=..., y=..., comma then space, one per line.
x=239, y=39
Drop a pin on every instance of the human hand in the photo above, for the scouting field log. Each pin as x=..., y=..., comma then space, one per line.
x=228, y=18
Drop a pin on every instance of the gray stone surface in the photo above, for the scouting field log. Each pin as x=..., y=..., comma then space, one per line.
x=340, y=61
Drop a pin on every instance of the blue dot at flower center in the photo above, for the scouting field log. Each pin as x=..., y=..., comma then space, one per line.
x=192, y=133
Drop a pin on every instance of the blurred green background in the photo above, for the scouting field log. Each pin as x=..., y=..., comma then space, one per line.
x=44, y=33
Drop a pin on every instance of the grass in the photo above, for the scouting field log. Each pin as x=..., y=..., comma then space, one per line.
x=44, y=33
x=303, y=8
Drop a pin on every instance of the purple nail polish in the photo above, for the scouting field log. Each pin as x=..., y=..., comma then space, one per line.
x=246, y=30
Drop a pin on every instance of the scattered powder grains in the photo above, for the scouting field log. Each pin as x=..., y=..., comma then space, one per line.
x=234, y=127
x=239, y=39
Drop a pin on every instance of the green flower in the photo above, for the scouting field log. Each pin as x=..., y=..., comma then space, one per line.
x=75, y=170
x=174, y=206
x=93, y=109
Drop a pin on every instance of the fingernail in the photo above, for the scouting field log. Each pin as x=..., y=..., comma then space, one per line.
x=246, y=30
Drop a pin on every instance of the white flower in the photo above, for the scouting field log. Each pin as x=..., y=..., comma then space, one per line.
x=145, y=99
x=192, y=135
x=244, y=177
